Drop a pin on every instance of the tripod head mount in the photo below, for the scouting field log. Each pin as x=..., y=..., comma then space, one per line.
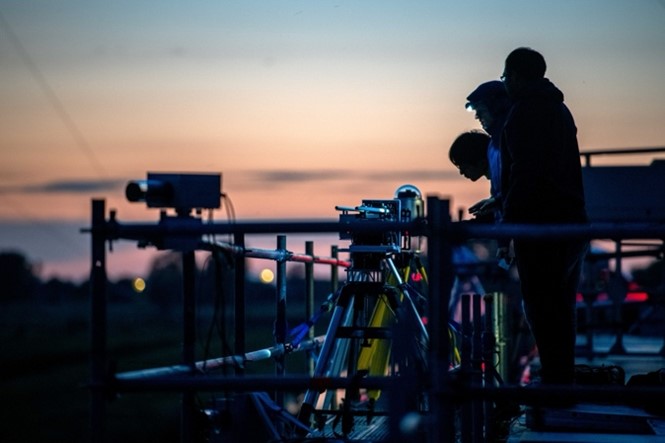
x=369, y=248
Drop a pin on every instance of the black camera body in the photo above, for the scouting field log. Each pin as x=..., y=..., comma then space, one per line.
x=182, y=192
x=372, y=210
x=370, y=247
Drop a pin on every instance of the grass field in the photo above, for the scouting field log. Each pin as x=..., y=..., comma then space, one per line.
x=45, y=367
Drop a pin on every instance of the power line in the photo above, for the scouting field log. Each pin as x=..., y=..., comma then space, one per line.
x=53, y=99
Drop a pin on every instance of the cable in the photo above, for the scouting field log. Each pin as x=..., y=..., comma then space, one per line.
x=53, y=99
x=230, y=210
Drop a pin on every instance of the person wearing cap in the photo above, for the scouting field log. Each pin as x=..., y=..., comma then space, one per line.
x=477, y=154
x=542, y=184
x=491, y=104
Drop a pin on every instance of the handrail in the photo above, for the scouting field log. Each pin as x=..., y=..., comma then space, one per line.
x=456, y=230
x=442, y=233
x=588, y=154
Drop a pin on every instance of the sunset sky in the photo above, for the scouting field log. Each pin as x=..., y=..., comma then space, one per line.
x=300, y=105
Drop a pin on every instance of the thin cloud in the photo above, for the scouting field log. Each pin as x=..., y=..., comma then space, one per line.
x=274, y=178
x=415, y=175
x=68, y=186
x=298, y=177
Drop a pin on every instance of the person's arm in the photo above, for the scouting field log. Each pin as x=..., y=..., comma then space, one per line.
x=483, y=207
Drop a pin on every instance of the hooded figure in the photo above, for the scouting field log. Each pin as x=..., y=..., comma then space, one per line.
x=542, y=183
x=491, y=104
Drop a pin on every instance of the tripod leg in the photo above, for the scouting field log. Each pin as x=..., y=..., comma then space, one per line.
x=311, y=396
x=374, y=358
x=411, y=306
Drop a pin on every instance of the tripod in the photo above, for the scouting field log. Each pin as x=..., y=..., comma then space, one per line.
x=372, y=306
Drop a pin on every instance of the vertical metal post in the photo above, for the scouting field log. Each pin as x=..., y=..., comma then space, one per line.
x=280, y=315
x=477, y=366
x=616, y=285
x=588, y=312
x=334, y=269
x=467, y=331
x=439, y=250
x=489, y=341
x=189, y=342
x=503, y=319
x=309, y=300
x=239, y=302
x=662, y=282
x=98, y=322
x=490, y=376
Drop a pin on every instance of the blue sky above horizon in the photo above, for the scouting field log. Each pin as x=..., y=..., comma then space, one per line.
x=301, y=105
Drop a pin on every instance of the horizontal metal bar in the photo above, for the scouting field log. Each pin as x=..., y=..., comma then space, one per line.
x=455, y=230
x=459, y=392
x=214, y=363
x=613, y=231
x=178, y=383
x=144, y=374
x=554, y=394
x=623, y=151
x=274, y=254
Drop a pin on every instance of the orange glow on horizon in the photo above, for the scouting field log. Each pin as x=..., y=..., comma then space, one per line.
x=300, y=106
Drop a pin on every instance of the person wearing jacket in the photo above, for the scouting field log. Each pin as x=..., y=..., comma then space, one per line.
x=491, y=104
x=541, y=183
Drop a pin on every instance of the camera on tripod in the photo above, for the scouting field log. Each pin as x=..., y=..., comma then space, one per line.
x=371, y=210
x=368, y=247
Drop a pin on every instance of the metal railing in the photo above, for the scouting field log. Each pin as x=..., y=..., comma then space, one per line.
x=441, y=234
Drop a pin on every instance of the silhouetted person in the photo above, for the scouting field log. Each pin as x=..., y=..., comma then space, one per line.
x=469, y=153
x=542, y=184
x=491, y=104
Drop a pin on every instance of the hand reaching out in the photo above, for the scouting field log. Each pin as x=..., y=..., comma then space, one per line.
x=483, y=207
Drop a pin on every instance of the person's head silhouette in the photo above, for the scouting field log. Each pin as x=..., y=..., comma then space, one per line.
x=469, y=153
x=522, y=67
x=491, y=103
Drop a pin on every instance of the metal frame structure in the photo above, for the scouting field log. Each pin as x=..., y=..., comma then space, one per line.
x=612, y=196
x=441, y=234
